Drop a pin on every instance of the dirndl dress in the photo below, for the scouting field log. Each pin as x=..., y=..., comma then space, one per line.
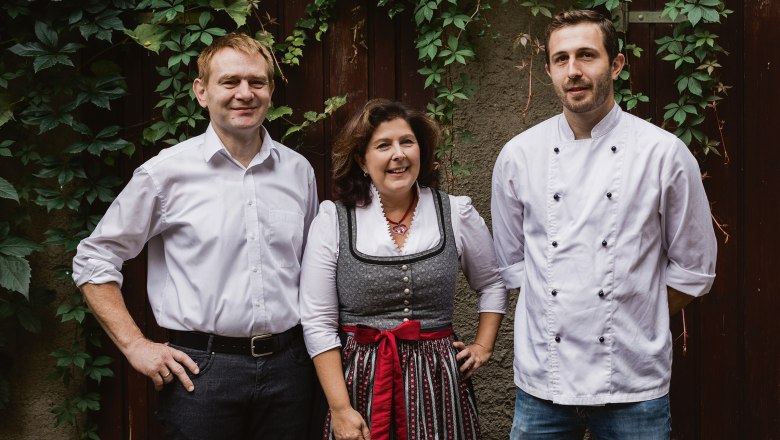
x=395, y=314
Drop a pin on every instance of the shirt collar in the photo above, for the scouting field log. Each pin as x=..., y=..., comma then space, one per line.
x=212, y=145
x=602, y=128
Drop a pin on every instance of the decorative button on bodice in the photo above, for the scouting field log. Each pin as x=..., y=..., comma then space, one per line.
x=405, y=279
x=404, y=267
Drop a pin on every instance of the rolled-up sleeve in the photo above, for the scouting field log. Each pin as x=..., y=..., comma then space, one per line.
x=478, y=257
x=688, y=233
x=132, y=219
x=507, y=214
x=319, y=302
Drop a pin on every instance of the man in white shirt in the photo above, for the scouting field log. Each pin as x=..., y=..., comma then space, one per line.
x=225, y=215
x=601, y=220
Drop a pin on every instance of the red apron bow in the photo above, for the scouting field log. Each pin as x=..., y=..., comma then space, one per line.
x=388, y=401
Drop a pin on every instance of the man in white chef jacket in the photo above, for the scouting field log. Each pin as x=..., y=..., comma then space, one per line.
x=600, y=219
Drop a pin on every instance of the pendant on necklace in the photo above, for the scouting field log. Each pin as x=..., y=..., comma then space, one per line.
x=399, y=229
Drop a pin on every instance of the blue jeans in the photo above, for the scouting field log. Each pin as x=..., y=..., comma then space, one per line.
x=537, y=419
x=242, y=397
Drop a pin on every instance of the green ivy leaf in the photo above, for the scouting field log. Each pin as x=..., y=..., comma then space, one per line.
x=7, y=191
x=278, y=112
x=15, y=274
x=150, y=36
x=238, y=10
x=18, y=247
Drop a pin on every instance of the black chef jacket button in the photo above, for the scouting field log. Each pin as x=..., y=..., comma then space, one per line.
x=604, y=243
x=557, y=339
x=601, y=339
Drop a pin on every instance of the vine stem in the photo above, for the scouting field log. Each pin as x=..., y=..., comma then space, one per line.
x=476, y=10
x=721, y=228
x=720, y=124
x=270, y=49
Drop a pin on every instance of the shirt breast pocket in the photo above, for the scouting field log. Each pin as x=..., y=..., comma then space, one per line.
x=285, y=238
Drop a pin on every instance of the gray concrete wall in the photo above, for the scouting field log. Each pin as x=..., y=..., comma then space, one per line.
x=493, y=116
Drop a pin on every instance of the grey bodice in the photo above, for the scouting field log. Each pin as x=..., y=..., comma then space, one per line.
x=383, y=292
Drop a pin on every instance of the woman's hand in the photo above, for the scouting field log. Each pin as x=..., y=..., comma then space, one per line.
x=348, y=424
x=471, y=357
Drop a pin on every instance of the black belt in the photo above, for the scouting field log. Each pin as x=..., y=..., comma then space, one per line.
x=257, y=346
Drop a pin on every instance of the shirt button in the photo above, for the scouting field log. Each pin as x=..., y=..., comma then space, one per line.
x=557, y=150
x=601, y=339
x=254, y=269
x=614, y=148
x=604, y=243
x=555, y=244
x=251, y=236
x=601, y=293
x=609, y=195
x=557, y=339
x=556, y=197
x=404, y=267
x=405, y=279
x=554, y=292
x=250, y=202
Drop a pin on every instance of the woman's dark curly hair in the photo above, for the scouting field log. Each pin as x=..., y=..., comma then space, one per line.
x=350, y=186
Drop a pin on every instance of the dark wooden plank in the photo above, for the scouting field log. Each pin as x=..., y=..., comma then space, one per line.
x=409, y=83
x=305, y=91
x=381, y=35
x=721, y=323
x=762, y=210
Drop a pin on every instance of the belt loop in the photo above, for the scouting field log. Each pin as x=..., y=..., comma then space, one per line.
x=210, y=344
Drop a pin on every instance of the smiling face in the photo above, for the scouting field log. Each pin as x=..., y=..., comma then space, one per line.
x=237, y=92
x=581, y=72
x=392, y=159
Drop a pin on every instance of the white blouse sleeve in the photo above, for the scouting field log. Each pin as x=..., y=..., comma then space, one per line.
x=478, y=256
x=319, y=302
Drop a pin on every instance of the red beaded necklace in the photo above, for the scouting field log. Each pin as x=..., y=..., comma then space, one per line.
x=399, y=228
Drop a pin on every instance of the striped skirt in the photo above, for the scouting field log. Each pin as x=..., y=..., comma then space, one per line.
x=439, y=403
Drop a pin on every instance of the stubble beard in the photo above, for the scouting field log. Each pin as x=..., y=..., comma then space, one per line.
x=599, y=93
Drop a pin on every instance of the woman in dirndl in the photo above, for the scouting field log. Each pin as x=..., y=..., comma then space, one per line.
x=378, y=286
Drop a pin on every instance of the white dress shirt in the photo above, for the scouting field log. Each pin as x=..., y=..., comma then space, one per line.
x=319, y=296
x=592, y=232
x=225, y=241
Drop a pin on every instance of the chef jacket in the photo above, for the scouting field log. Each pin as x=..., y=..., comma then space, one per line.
x=592, y=232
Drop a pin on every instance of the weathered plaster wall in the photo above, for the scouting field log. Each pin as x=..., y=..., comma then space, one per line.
x=33, y=394
x=493, y=116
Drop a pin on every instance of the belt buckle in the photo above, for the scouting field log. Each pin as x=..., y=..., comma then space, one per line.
x=260, y=338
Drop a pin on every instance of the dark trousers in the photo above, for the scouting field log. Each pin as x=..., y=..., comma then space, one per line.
x=242, y=397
